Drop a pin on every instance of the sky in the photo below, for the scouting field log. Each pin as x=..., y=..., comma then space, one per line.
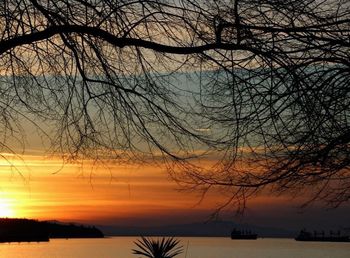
x=38, y=187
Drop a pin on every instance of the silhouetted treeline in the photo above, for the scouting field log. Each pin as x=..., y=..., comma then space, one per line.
x=58, y=230
x=26, y=230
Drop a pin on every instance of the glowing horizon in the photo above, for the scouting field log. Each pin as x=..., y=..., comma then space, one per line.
x=44, y=188
x=6, y=208
x=37, y=187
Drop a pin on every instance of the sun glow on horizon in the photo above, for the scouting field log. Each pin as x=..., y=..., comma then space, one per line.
x=6, y=209
x=32, y=188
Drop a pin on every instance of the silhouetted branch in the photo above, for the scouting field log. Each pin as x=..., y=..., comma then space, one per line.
x=259, y=90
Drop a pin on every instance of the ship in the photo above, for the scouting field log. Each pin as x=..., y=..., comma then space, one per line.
x=243, y=234
x=322, y=237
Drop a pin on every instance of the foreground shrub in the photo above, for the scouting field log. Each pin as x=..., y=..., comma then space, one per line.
x=166, y=247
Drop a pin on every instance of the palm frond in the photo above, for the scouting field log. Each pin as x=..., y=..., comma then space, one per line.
x=159, y=248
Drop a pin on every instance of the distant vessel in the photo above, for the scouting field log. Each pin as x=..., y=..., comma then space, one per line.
x=321, y=237
x=243, y=234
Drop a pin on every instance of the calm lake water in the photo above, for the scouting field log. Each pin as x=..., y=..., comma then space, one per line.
x=120, y=247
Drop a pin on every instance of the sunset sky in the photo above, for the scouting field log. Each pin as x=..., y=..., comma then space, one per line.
x=41, y=186
x=48, y=189
x=33, y=186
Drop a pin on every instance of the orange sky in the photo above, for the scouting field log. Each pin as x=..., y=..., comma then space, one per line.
x=41, y=188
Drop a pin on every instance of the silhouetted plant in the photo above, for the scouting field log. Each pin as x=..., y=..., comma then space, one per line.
x=159, y=248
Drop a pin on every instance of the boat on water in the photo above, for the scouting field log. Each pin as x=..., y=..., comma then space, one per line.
x=243, y=234
x=322, y=237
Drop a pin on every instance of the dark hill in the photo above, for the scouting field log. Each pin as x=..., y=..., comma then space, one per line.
x=209, y=229
x=27, y=230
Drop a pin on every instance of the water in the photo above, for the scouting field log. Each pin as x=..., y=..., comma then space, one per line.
x=120, y=247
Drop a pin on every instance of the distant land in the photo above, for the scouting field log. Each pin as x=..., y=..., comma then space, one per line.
x=208, y=229
x=27, y=230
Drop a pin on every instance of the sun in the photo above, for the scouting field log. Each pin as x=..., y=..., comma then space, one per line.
x=6, y=211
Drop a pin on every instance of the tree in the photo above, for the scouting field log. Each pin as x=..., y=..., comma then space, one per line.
x=269, y=96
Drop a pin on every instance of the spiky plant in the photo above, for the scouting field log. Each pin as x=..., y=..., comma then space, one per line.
x=166, y=247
